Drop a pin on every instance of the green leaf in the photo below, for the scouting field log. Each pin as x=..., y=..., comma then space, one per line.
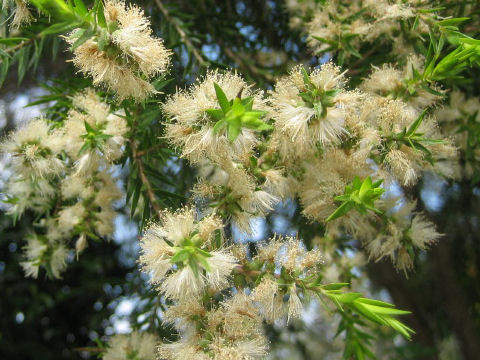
x=334, y=286
x=233, y=132
x=361, y=196
x=84, y=36
x=340, y=211
x=12, y=40
x=4, y=66
x=23, y=58
x=180, y=256
x=203, y=262
x=365, y=187
x=347, y=297
x=237, y=108
x=80, y=7
x=56, y=8
x=88, y=127
x=59, y=28
x=219, y=125
x=217, y=114
x=222, y=98
x=101, y=15
x=135, y=197
x=452, y=21
x=415, y=125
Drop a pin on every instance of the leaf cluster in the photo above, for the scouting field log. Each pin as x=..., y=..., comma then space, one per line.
x=236, y=114
x=360, y=195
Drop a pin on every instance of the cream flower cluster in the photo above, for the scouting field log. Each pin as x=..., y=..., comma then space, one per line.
x=21, y=14
x=179, y=254
x=309, y=138
x=232, y=326
x=63, y=173
x=406, y=230
x=322, y=137
x=460, y=119
x=392, y=82
x=360, y=21
x=310, y=111
x=134, y=346
x=125, y=55
x=231, y=330
x=192, y=127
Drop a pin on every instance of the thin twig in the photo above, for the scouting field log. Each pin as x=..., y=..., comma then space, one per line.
x=143, y=177
x=89, y=349
x=20, y=45
x=181, y=32
x=252, y=69
x=146, y=151
x=365, y=57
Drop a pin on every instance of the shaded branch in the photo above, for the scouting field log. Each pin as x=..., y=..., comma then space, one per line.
x=182, y=33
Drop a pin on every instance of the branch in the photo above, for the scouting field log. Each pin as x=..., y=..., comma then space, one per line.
x=21, y=45
x=146, y=151
x=243, y=63
x=141, y=170
x=182, y=33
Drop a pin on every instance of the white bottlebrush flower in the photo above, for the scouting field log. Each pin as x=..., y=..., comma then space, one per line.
x=265, y=202
x=31, y=268
x=192, y=129
x=317, y=193
x=134, y=37
x=403, y=167
x=104, y=221
x=422, y=232
x=91, y=132
x=252, y=349
x=277, y=184
x=182, y=283
x=27, y=193
x=295, y=306
x=58, y=260
x=21, y=14
x=41, y=252
x=235, y=321
x=324, y=26
x=32, y=150
x=94, y=192
x=175, y=254
x=386, y=10
x=405, y=230
x=182, y=350
x=135, y=346
x=221, y=265
x=34, y=251
x=71, y=216
x=269, y=298
x=129, y=54
x=182, y=314
x=80, y=244
x=391, y=82
x=230, y=330
x=310, y=109
x=406, y=158
x=77, y=186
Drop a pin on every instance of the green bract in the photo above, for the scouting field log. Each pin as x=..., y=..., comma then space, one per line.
x=416, y=140
x=94, y=138
x=314, y=97
x=236, y=114
x=190, y=254
x=361, y=196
